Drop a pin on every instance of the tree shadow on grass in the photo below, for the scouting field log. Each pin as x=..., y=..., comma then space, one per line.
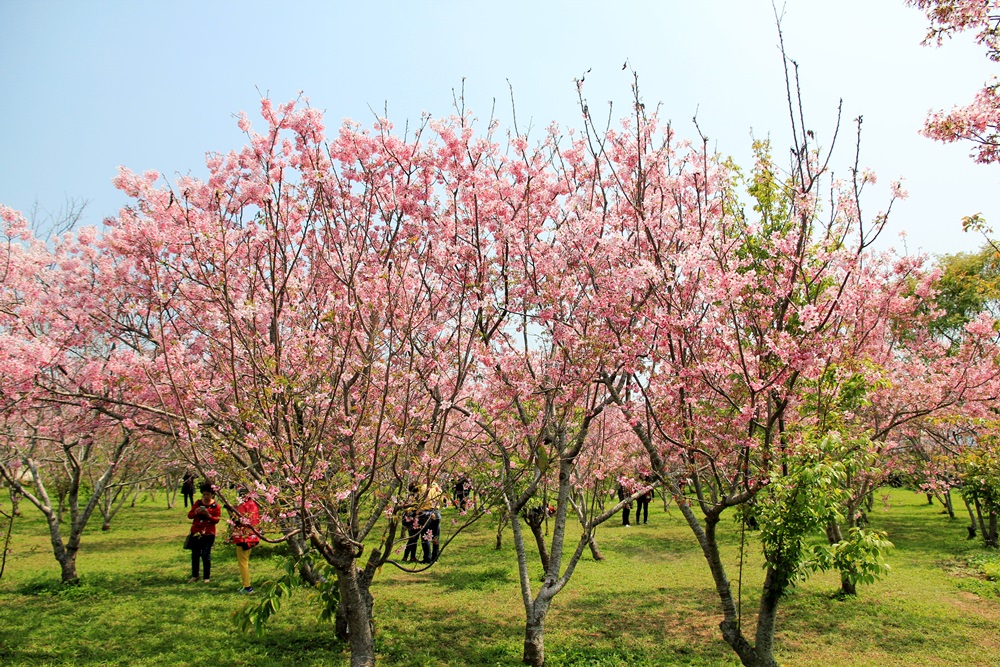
x=111, y=622
x=675, y=625
x=469, y=579
x=922, y=529
x=430, y=637
x=864, y=625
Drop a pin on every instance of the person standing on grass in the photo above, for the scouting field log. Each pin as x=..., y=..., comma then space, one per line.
x=205, y=513
x=642, y=506
x=430, y=520
x=462, y=491
x=623, y=493
x=187, y=488
x=411, y=524
x=245, y=536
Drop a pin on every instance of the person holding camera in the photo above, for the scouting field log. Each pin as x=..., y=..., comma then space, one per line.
x=205, y=514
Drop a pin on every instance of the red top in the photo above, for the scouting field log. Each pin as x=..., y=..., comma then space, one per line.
x=244, y=521
x=204, y=524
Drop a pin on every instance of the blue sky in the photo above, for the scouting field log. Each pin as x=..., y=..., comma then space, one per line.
x=90, y=85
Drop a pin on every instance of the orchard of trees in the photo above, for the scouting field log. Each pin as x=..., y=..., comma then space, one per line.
x=332, y=316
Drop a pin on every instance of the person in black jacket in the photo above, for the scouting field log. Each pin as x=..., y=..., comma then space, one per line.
x=187, y=488
x=623, y=493
x=642, y=506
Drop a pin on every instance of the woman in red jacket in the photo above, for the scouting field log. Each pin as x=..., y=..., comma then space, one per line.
x=245, y=536
x=206, y=513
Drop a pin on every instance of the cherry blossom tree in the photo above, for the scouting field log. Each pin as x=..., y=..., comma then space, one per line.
x=764, y=308
x=978, y=121
x=314, y=308
x=956, y=450
x=60, y=365
x=549, y=372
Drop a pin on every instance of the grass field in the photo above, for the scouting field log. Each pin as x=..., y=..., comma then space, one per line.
x=651, y=602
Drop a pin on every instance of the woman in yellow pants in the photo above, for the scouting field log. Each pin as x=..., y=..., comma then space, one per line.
x=245, y=536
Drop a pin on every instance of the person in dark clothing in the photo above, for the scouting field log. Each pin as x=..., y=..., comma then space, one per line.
x=411, y=522
x=205, y=513
x=461, y=492
x=642, y=507
x=187, y=488
x=623, y=493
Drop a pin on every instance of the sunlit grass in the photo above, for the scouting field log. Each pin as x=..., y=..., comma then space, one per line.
x=651, y=602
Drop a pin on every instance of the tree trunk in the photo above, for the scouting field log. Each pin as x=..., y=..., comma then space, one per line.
x=135, y=496
x=948, y=504
x=500, y=526
x=543, y=552
x=972, y=521
x=340, y=628
x=534, y=641
x=5, y=545
x=730, y=625
x=67, y=565
x=15, y=500
x=834, y=536
x=65, y=555
x=308, y=573
x=774, y=587
x=595, y=550
x=535, y=518
x=992, y=539
x=357, y=602
x=987, y=533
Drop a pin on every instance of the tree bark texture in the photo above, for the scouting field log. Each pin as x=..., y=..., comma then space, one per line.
x=534, y=641
x=357, y=602
x=595, y=550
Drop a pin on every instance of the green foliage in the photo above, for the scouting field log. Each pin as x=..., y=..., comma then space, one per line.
x=840, y=391
x=860, y=556
x=268, y=599
x=976, y=223
x=771, y=203
x=981, y=477
x=795, y=506
x=969, y=284
x=979, y=573
x=771, y=200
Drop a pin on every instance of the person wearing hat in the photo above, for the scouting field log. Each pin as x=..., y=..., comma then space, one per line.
x=245, y=536
x=205, y=514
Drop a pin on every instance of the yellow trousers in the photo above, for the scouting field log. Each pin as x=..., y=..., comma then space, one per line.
x=243, y=560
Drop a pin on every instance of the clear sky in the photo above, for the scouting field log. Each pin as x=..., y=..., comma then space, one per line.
x=90, y=85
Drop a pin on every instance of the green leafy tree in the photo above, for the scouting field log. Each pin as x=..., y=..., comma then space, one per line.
x=968, y=285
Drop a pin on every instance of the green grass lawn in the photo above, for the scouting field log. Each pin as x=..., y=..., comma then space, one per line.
x=651, y=602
